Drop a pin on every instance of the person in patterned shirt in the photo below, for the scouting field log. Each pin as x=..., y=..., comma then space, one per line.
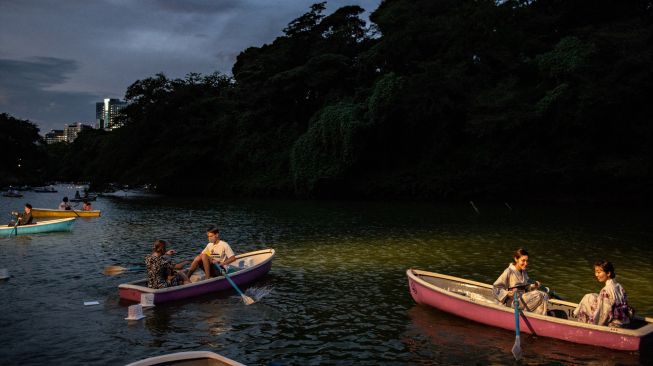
x=161, y=271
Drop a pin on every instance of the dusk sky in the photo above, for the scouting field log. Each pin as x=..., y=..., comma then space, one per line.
x=58, y=58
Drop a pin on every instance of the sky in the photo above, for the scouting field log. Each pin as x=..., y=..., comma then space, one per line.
x=59, y=57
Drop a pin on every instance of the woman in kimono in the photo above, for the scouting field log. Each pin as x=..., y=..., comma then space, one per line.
x=608, y=307
x=504, y=289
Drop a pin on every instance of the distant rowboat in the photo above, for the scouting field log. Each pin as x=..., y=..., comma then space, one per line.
x=90, y=197
x=191, y=358
x=474, y=300
x=47, y=189
x=250, y=267
x=40, y=227
x=50, y=212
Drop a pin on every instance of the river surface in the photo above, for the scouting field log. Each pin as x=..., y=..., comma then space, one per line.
x=337, y=293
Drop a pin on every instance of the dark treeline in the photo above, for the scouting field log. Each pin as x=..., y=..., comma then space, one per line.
x=437, y=99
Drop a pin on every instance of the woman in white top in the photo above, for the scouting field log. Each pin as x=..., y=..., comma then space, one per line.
x=515, y=275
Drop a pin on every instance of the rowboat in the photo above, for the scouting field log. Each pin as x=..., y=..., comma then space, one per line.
x=474, y=301
x=46, y=189
x=53, y=212
x=191, y=358
x=90, y=197
x=12, y=193
x=249, y=267
x=40, y=227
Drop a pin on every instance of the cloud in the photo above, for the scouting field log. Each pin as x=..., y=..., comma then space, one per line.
x=198, y=6
x=59, y=57
x=24, y=92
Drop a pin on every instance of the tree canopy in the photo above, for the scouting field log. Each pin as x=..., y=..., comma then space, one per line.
x=436, y=99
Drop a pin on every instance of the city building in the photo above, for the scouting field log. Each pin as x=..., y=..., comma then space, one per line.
x=107, y=112
x=55, y=136
x=71, y=131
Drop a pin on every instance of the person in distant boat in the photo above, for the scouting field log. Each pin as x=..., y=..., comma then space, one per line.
x=87, y=206
x=215, y=252
x=504, y=289
x=608, y=307
x=64, y=205
x=77, y=196
x=161, y=271
x=24, y=218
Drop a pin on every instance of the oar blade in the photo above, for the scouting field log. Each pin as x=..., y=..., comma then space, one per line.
x=516, y=349
x=114, y=270
x=247, y=300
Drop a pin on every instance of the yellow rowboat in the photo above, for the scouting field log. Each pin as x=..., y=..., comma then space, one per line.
x=49, y=212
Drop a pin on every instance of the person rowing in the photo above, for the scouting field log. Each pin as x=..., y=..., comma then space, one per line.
x=216, y=252
x=24, y=218
x=515, y=278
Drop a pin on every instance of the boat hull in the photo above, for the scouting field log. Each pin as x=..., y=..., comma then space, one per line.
x=40, y=227
x=191, y=358
x=48, y=212
x=480, y=309
x=251, y=266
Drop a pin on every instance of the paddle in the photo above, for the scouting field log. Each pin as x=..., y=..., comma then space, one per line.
x=116, y=270
x=516, y=348
x=73, y=210
x=16, y=224
x=246, y=299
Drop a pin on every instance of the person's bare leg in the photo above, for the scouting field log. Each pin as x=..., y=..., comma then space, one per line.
x=193, y=266
x=206, y=261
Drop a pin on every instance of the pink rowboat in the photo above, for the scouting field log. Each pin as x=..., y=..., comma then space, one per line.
x=249, y=268
x=474, y=300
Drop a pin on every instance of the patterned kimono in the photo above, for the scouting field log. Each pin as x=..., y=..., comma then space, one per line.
x=160, y=272
x=608, y=307
x=532, y=300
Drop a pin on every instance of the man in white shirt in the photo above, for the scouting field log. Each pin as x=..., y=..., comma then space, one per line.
x=216, y=251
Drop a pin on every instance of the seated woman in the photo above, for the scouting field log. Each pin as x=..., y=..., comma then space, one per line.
x=515, y=275
x=608, y=307
x=161, y=272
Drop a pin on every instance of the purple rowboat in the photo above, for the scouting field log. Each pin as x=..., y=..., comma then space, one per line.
x=249, y=267
x=474, y=300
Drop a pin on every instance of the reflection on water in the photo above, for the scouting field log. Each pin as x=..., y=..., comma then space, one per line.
x=337, y=290
x=459, y=341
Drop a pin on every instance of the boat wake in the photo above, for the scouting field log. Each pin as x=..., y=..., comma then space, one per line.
x=257, y=293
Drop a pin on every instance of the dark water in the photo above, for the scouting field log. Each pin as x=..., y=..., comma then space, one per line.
x=337, y=289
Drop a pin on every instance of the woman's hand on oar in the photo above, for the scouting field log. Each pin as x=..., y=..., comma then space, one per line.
x=116, y=270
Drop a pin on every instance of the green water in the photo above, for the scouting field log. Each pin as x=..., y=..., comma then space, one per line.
x=337, y=293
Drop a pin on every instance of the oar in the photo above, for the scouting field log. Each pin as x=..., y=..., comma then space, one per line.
x=15, y=226
x=246, y=299
x=516, y=348
x=73, y=210
x=116, y=270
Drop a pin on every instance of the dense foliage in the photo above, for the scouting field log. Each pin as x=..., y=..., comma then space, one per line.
x=439, y=99
x=22, y=150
